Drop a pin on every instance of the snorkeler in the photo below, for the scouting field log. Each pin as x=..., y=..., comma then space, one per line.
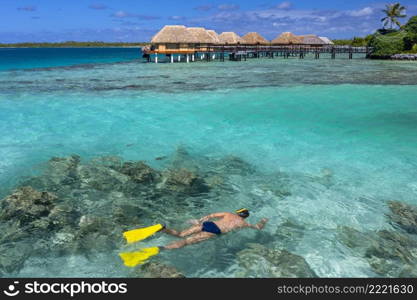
x=203, y=229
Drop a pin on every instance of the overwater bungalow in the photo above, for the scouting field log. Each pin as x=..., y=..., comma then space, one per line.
x=326, y=40
x=254, y=38
x=202, y=37
x=174, y=39
x=179, y=43
x=287, y=38
x=215, y=36
x=178, y=39
x=312, y=40
x=230, y=38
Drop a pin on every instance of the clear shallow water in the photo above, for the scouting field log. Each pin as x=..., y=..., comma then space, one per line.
x=197, y=77
x=355, y=119
x=26, y=58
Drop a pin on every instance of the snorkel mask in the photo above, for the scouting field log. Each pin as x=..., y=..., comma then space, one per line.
x=243, y=213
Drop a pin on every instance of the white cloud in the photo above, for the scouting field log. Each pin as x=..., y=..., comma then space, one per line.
x=366, y=11
x=228, y=7
x=123, y=14
x=176, y=18
x=284, y=5
x=29, y=8
x=278, y=24
x=271, y=21
x=120, y=14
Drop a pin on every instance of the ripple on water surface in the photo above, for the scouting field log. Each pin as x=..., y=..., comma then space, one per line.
x=330, y=145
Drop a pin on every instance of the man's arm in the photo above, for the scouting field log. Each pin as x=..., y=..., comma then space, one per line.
x=212, y=216
x=258, y=226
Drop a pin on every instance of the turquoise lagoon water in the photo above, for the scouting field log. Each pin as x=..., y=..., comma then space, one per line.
x=26, y=58
x=353, y=119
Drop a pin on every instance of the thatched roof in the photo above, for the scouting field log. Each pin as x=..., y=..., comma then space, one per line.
x=174, y=34
x=254, y=38
x=230, y=38
x=311, y=39
x=201, y=35
x=326, y=40
x=214, y=36
x=287, y=38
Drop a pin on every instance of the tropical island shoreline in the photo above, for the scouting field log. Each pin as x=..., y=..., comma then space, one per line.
x=74, y=44
x=393, y=41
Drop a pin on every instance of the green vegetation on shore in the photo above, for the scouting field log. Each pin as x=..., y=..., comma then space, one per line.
x=72, y=44
x=392, y=13
x=392, y=38
x=387, y=42
x=355, y=42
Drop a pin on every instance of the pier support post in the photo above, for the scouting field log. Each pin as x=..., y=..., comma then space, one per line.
x=156, y=58
x=172, y=58
x=188, y=58
x=192, y=57
x=179, y=57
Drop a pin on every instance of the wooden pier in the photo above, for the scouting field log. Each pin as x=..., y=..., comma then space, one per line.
x=244, y=52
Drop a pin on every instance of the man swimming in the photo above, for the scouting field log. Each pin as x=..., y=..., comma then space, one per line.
x=204, y=229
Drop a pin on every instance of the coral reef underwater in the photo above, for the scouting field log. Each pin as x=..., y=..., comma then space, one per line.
x=78, y=208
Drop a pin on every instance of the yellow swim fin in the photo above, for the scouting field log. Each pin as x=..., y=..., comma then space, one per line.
x=141, y=233
x=132, y=259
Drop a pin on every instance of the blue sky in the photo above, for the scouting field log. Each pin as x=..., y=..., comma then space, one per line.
x=138, y=20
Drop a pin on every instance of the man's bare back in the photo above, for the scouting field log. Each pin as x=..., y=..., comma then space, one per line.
x=204, y=229
x=228, y=221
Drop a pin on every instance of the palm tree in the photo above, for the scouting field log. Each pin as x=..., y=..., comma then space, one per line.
x=393, y=11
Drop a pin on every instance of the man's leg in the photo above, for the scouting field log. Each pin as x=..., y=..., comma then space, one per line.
x=191, y=230
x=196, y=238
